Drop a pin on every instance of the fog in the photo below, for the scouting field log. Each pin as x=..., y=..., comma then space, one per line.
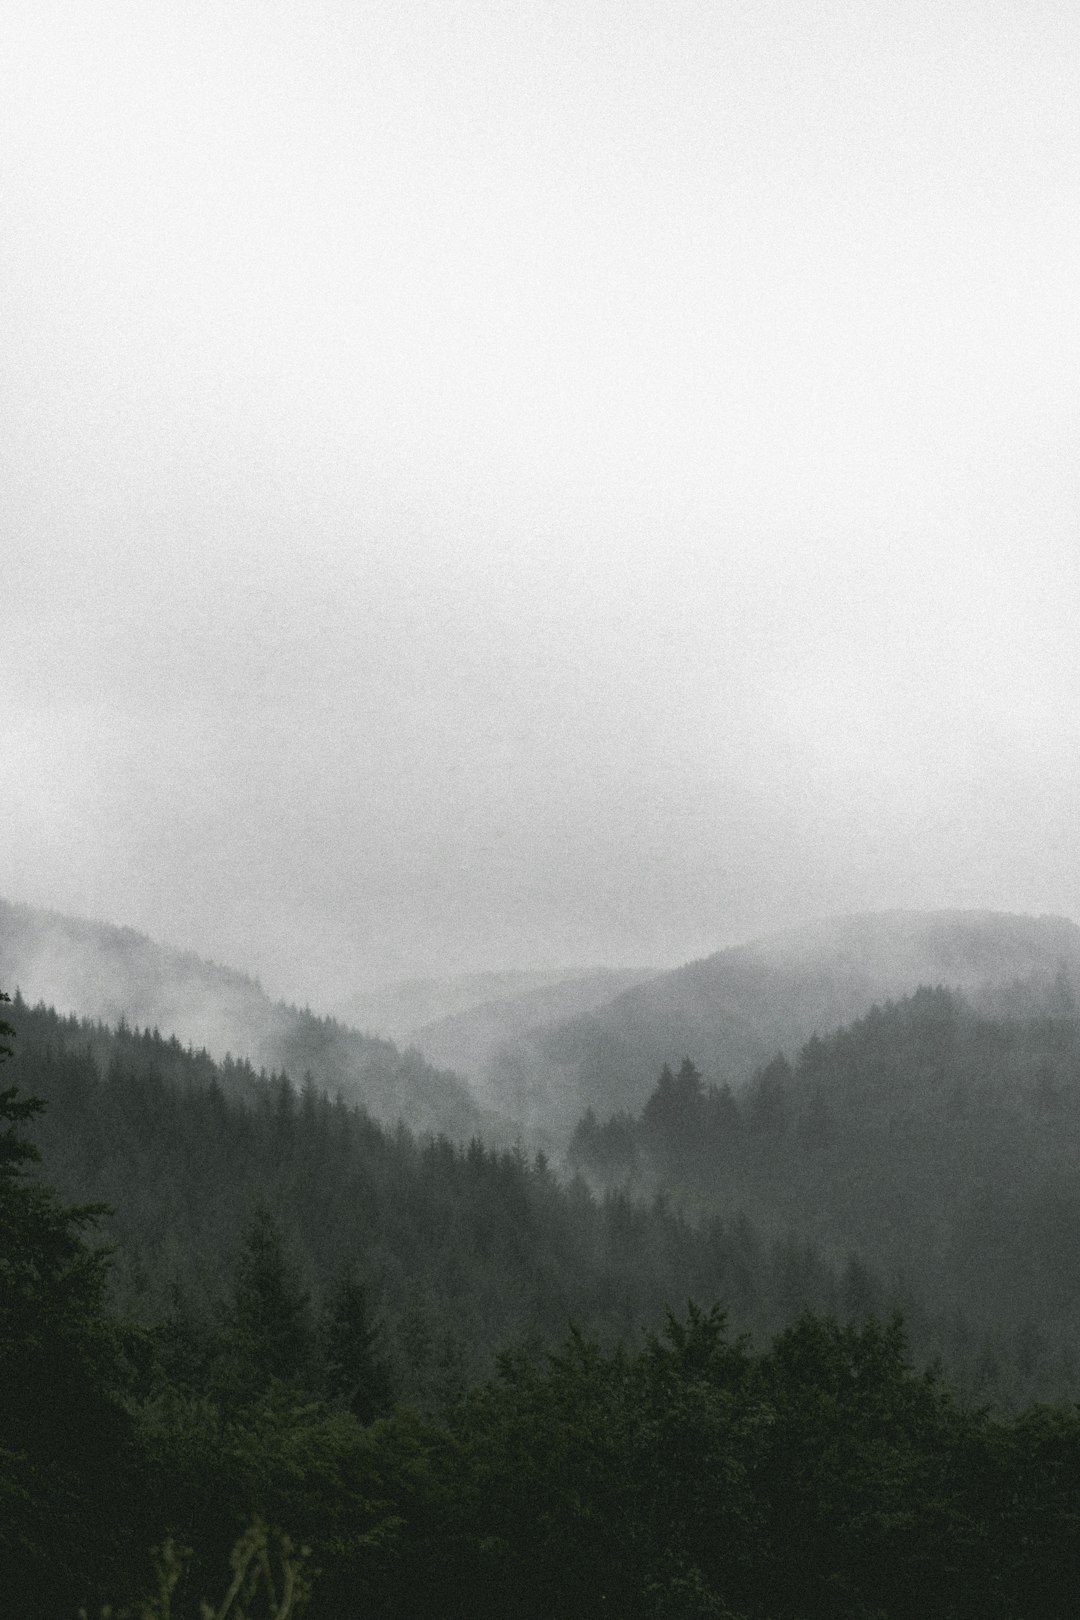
x=494, y=487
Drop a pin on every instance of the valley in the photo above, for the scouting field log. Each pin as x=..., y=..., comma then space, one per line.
x=320, y=1246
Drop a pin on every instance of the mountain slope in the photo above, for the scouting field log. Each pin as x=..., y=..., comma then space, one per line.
x=400, y=1011
x=499, y=1043
x=734, y=1010
x=113, y=974
x=468, y=1248
x=941, y=1143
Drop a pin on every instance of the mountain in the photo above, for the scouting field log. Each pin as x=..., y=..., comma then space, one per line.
x=733, y=1011
x=468, y=1248
x=113, y=974
x=923, y=1157
x=401, y=1010
x=940, y=1143
x=540, y=1048
x=294, y=1268
x=499, y=1043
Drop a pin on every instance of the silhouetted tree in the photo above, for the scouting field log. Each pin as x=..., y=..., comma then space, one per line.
x=358, y=1373
x=768, y=1098
x=270, y=1332
x=68, y=1471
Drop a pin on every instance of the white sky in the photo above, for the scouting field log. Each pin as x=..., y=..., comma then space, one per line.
x=511, y=484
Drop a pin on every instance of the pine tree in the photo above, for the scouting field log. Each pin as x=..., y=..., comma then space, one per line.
x=67, y=1462
x=357, y=1373
x=270, y=1333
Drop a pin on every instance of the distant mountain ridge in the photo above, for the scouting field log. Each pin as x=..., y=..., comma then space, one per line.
x=732, y=1011
x=498, y=1043
x=101, y=971
x=545, y=1046
x=403, y=1010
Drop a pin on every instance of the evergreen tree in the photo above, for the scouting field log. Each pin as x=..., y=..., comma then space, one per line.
x=358, y=1375
x=768, y=1097
x=270, y=1333
x=68, y=1484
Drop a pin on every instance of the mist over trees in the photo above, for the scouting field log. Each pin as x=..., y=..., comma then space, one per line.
x=544, y=1058
x=116, y=975
x=527, y=1054
x=464, y=1250
x=682, y=1374
x=509, y=513
x=937, y=1144
x=683, y=1473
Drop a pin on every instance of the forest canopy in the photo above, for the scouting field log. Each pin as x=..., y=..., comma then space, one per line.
x=405, y=1378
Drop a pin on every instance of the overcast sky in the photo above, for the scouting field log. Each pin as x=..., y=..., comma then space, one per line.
x=510, y=484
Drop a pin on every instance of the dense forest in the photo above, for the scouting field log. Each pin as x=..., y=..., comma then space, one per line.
x=465, y=1250
x=734, y=1010
x=115, y=974
x=526, y=1058
x=940, y=1144
x=324, y=1364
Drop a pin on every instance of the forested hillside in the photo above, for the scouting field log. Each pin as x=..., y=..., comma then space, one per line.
x=540, y=1053
x=247, y=1449
x=925, y=1157
x=502, y=1044
x=736, y=1009
x=402, y=1009
x=113, y=974
x=941, y=1144
x=467, y=1250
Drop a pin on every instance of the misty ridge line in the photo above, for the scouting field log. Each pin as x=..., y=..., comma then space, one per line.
x=42, y=942
x=471, y=1258
x=500, y=490
x=114, y=974
x=490, y=485
x=531, y=1061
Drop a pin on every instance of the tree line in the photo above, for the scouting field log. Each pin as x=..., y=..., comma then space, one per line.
x=940, y=1145
x=645, y=1463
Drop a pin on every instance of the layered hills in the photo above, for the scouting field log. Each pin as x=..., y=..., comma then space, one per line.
x=500, y=1043
x=734, y=1010
x=938, y=1142
x=923, y=1156
x=285, y=1269
x=530, y=1052
x=406, y=1008
x=117, y=975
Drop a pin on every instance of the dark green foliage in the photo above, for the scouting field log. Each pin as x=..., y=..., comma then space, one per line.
x=466, y=1250
x=938, y=1146
x=610, y=1148
x=767, y=1102
x=6, y=1031
x=68, y=1469
x=115, y=972
x=270, y=1333
x=857, y=1472
x=358, y=1374
x=681, y=1476
x=825, y=1477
